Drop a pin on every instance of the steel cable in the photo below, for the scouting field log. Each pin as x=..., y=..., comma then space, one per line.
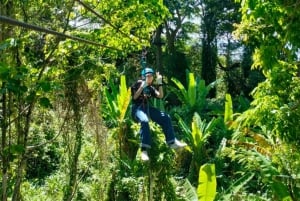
x=12, y=21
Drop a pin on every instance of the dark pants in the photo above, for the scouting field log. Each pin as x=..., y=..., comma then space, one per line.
x=143, y=114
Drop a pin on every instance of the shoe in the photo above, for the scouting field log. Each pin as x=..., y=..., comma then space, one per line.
x=144, y=156
x=177, y=144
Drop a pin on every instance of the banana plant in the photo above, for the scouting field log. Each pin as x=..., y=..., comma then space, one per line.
x=193, y=98
x=117, y=102
x=196, y=136
x=116, y=110
x=207, y=187
x=228, y=115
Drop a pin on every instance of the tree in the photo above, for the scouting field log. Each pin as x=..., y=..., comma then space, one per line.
x=276, y=47
x=172, y=33
x=269, y=28
x=36, y=65
x=21, y=96
x=218, y=18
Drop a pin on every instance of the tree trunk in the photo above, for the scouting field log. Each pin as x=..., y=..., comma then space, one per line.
x=6, y=8
x=75, y=146
x=209, y=53
x=158, y=43
x=22, y=164
x=5, y=160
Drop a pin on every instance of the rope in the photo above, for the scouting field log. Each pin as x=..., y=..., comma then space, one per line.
x=14, y=22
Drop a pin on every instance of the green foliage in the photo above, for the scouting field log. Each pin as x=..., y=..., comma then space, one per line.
x=161, y=167
x=275, y=109
x=228, y=109
x=189, y=191
x=266, y=169
x=139, y=180
x=236, y=187
x=48, y=192
x=268, y=28
x=128, y=181
x=199, y=132
x=116, y=109
x=94, y=172
x=207, y=183
x=175, y=66
x=187, y=96
x=123, y=98
x=196, y=136
x=117, y=102
x=44, y=160
x=192, y=98
x=260, y=155
x=117, y=30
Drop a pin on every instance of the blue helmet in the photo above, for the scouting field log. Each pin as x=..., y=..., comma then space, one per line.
x=147, y=71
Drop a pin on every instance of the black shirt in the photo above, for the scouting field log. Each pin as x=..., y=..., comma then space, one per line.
x=146, y=94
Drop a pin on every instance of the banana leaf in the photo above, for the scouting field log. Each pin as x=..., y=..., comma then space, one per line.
x=207, y=187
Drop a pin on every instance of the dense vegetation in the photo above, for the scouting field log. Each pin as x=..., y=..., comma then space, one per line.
x=231, y=79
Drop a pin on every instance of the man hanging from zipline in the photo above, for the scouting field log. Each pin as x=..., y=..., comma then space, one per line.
x=142, y=91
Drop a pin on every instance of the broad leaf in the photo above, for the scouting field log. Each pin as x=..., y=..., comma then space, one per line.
x=228, y=109
x=192, y=90
x=124, y=98
x=207, y=183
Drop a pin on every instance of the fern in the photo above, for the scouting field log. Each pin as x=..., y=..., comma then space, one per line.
x=254, y=161
x=190, y=192
x=236, y=186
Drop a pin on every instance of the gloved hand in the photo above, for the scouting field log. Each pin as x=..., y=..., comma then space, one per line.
x=158, y=78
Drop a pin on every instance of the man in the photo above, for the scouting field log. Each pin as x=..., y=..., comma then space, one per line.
x=142, y=111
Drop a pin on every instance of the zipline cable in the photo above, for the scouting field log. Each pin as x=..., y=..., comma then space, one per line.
x=106, y=21
x=11, y=21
